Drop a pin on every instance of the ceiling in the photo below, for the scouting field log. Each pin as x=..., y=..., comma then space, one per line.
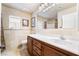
x=27, y=7
x=32, y=7
x=52, y=12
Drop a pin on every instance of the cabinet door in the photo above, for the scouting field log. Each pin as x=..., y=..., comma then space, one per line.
x=29, y=45
x=47, y=51
x=37, y=44
x=37, y=50
x=34, y=53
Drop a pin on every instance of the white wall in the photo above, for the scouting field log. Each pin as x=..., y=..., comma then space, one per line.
x=40, y=24
x=51, y=24
x=69, y=20
x=78, y=14
x=14, y=37
x=65, y=12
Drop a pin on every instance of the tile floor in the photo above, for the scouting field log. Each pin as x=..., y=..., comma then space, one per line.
x=22, y=52
x=8, y=53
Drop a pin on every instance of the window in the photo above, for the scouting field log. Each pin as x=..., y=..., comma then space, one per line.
x=14, y=22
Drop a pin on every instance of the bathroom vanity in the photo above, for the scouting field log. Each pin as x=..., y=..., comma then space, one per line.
x=43, y=46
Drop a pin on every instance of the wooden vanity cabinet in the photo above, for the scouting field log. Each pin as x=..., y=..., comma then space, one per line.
x=47, y=51
x=37, y=44
x=39, y=48
x=29, y=45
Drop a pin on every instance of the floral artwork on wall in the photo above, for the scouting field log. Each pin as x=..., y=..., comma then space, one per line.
x=25, y=22
x=33, y=22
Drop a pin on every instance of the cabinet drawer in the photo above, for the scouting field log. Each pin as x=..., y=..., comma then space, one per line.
x=47, y=51
x=37, y=50
x=37, y=43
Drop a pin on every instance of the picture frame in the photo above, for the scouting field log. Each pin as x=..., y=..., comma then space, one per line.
x=25, y=22
x=33, y=22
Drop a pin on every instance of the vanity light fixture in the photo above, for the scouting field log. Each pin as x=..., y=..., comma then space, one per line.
x=45, y=6
x=50, y=6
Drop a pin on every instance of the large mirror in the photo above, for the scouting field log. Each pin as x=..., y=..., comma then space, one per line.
x=60, y=15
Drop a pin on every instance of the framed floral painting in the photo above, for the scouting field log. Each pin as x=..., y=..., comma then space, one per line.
x=25, y=22
x=33, y=22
